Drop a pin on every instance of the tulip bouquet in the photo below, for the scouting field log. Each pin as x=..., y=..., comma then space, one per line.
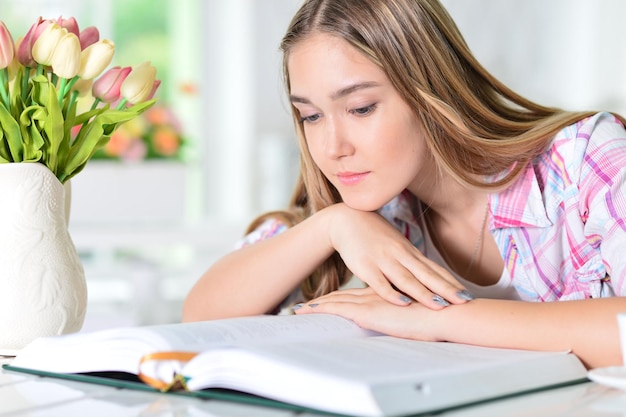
x=43, y=76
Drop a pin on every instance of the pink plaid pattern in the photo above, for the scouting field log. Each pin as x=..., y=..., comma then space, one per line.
x=564, y=219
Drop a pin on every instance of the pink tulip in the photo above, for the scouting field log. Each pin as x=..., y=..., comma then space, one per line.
x=25, y=49
x=70, y=24
x=7, y=46
x=88, y=36
x=107, y=87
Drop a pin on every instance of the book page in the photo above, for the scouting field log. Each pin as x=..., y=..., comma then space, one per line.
x=258, y=330
x=250, y=331
x=121, y=349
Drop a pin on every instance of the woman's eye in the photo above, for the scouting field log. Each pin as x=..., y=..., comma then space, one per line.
x=363, y=111
x=310, y=119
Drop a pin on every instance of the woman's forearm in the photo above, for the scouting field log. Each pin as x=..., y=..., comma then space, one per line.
x=587, y=327
x=256, y=278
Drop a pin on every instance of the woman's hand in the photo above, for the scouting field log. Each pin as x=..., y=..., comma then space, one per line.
x=370, y=311
x=574, y=325
x=383, y=258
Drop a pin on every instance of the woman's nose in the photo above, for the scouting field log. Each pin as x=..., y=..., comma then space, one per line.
x=337, y=143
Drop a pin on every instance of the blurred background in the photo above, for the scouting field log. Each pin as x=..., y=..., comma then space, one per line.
x=174, y=191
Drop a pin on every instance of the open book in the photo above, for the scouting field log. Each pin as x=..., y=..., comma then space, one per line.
x=319, y=362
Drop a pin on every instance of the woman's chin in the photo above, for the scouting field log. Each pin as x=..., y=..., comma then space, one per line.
x=363, y=204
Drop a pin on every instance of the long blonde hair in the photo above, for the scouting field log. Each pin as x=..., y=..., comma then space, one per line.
x=474, y=126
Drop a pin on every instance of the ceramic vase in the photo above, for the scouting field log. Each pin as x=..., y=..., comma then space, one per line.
x=42, y=282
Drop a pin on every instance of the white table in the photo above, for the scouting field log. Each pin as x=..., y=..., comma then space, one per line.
x=30, y=396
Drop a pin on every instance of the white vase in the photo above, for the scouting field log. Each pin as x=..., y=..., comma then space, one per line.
x=42, y=282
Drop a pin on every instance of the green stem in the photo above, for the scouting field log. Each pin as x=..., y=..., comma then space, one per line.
x=95, y=103
x=61, y=92
x=73, y=98
x=72, y=103
x=4, y=88
x=70, y=84
x=25, y=78
x=39, y=69
x=121, y=104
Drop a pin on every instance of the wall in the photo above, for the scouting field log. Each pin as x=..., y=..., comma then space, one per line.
x=246, y=115
x=568, y=53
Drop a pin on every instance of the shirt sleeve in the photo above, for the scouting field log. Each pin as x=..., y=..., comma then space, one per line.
x=603, y=199
x=269, y=228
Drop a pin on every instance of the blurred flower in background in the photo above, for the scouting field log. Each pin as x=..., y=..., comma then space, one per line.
x=155, y=134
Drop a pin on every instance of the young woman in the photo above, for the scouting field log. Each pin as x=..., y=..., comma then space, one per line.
x=467, y=210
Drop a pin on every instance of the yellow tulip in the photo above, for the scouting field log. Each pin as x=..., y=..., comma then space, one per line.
x=44, y=46
x=66, y=56
x=138, y=86
x=95, y=58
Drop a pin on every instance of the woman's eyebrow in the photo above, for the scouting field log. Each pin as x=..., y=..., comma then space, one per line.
x=296, y=99
x=352, y=88
x=339, y=93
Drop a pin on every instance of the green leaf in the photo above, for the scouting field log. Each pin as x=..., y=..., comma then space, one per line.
x=142, y=107
x=94, y=135
x=52, y=123
x=33, y=152
x=69, y=123
x=5, y=152
x=12, y=136
x=84, y=117
x=17, y=104
x=34, y=144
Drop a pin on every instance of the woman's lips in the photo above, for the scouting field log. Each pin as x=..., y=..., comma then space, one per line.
x=351, y=178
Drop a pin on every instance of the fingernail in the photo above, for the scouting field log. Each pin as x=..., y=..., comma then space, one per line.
x=313, y=305
x=439, y=300
x=465, y=295
x=405, y=299
x=297, y=306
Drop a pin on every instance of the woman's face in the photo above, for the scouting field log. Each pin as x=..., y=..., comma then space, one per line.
x=359, y=131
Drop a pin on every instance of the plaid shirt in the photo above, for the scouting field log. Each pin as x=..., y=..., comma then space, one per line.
x=561, y=227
